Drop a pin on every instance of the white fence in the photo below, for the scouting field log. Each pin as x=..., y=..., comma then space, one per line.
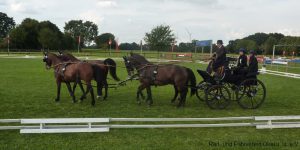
x=278, y=73
x=75, y=125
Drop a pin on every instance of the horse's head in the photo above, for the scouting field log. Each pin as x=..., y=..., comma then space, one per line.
x=129, y=65
x=49, y=59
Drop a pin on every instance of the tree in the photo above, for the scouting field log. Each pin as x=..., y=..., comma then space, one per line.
x=247, y=44
x=68, y=42
x=258, y=38
x=103, y=39
x=129, y=46
x=289, y=40
x=268, y=45
x=90, y=32
x=18, y=37
x=160, y=38
x=49, y=35
x=31, y=27
x=6, y=24
x=86, y=30
x=49, y=39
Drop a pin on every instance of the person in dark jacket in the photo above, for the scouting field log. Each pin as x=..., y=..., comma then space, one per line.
x=242, y=61
x=253, y=65
x=220, y=56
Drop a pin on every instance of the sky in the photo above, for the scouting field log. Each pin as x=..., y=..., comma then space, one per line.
x=129, y=20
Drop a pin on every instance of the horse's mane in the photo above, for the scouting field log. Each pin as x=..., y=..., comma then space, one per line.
x=70, y=56
x=67, y=57
x=141, y=59
x=52, y=54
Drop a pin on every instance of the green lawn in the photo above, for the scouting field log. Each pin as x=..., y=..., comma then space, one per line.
x=27, y=90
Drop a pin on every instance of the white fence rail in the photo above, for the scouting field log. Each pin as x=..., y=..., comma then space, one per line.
x=278, y=73
x=76, y=125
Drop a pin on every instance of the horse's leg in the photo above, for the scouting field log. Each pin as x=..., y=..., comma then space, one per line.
x=183, y=92
x=86, y=92
x=106, y=88
x=139, y=92
x=149, y=96
x=81, y=87
x=99, y=89
x=74, y=87
x=71, y=92
x=92, y=93
x=58, y=83
x=175, y=96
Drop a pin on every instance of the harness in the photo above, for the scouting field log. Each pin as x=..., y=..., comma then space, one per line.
x=154, y=73
x=61, y=70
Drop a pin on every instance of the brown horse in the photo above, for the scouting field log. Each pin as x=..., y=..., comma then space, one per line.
x=150, y=74
x=99, y=76
x=68, y=72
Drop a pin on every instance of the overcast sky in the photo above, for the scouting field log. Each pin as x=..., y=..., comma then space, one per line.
x=129, y=20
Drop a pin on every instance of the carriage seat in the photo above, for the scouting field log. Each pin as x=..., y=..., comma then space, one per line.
x=206, y=77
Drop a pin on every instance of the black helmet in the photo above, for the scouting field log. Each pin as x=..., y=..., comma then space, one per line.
x=242, y=50
x=252, y=52
x=219, y=42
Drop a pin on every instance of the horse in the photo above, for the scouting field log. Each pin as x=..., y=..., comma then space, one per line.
x=100, y=77
x=68, y=72
x=159, y=75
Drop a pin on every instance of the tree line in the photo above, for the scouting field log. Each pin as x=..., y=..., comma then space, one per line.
x=32, y=34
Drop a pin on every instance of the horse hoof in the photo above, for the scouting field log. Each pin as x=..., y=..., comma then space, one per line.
x=74, y=101
x=56, y=100
x=105, y=98
x=99, y=97
x=93, y=104
x=179, y=106
x=172, y=101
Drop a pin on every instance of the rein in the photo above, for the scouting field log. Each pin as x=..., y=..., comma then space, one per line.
x=54, y=66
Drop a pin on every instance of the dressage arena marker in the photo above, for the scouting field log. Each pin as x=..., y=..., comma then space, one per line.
x=77, y=125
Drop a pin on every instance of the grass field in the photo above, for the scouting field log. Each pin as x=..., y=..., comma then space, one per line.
x=27, y=90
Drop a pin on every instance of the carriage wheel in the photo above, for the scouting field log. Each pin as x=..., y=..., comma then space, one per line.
x=251, y=94
x=217, y=97
x=201, y=88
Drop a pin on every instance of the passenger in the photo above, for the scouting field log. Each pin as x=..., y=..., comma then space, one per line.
x=253, y=65
x=242, y=61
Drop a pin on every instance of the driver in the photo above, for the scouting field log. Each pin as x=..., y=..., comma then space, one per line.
x=220, y=59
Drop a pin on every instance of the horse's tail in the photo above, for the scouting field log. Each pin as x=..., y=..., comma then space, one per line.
x=192, y=81
x=112, y=66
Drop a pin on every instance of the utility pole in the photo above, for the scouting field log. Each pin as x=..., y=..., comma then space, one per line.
x=8, y=44
x=141, y=44
x=109, y=42
x=78, y=44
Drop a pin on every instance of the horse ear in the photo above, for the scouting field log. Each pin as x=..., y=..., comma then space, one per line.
x=60, y=52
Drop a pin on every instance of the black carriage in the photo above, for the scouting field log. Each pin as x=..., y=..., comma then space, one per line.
x=219, y=92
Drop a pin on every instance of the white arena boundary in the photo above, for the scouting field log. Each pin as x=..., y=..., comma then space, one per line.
x=278, y=73
x=77, y=125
